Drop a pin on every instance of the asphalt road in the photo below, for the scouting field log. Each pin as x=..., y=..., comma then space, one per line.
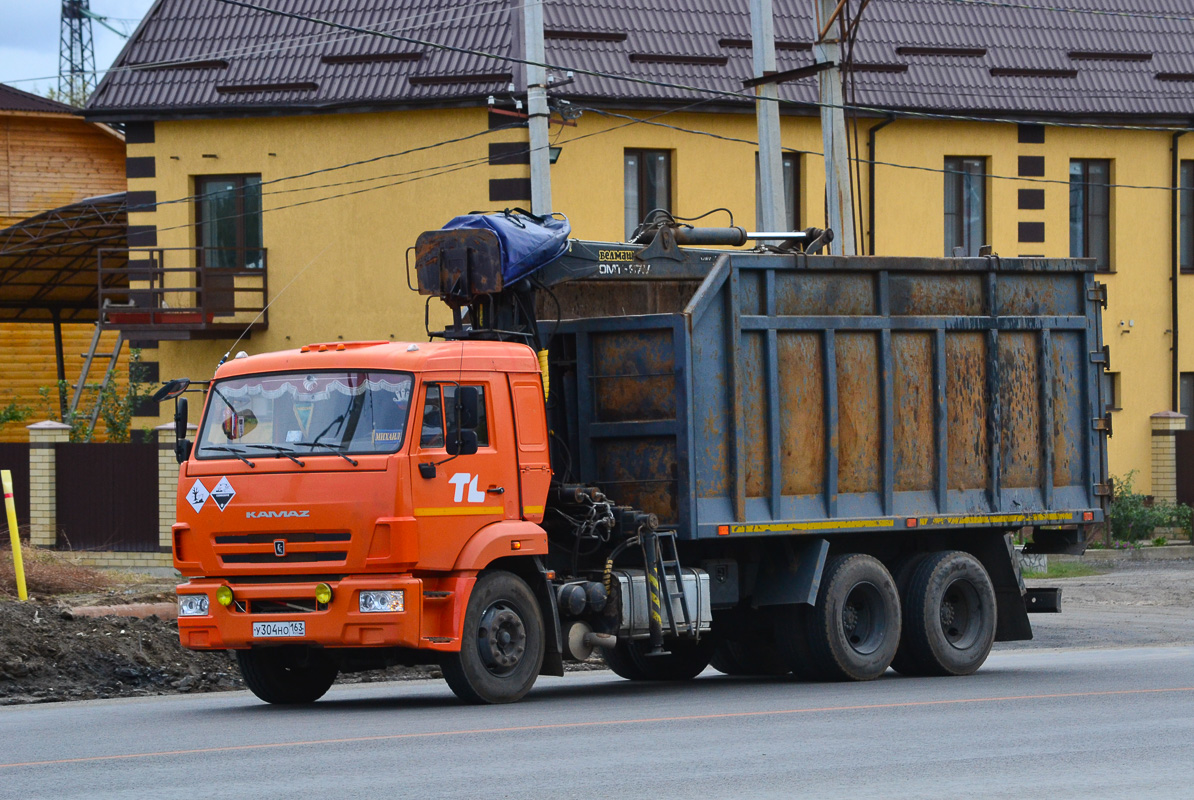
x=1047, y=723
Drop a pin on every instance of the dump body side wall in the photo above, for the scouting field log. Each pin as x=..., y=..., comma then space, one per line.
x=788, y=397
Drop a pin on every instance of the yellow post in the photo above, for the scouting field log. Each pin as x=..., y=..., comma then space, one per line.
x=17, y=564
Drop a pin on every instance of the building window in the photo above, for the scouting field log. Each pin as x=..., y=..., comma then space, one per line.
x=648, y=185
x=791, y=192
x=1186, y=400
x=228, y=221
x=1090, y=211
x=1186, y=224
x=1111, y=399
x=965, y=205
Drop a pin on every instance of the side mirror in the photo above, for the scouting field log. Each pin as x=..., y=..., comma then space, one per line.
x=182, y=447
x=464, y=443
x=468, y=407
x=171, y=389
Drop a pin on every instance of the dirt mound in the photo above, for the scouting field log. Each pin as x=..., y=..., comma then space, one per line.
x=47, y=654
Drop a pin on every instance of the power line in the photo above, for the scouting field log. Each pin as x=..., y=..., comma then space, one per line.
x=723, y=93
x=1071, y=10
x=304, y=40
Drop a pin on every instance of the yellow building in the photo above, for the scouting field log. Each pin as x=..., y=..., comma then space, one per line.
x=290, y=162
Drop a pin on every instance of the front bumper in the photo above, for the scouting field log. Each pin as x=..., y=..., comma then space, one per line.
x=339, y=624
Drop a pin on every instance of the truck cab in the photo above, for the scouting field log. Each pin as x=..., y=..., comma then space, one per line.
x=347, y=495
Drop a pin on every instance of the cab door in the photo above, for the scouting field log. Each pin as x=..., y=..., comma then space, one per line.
x=467, y=492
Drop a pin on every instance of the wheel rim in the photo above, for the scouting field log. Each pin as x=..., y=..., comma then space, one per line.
x=961, y=614
x=864, y=623
x=501, y=639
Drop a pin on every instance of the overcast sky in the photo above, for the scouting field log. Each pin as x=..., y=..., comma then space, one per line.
x=29, y=32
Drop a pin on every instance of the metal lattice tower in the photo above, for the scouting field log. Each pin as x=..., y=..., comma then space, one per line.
x=76, y=53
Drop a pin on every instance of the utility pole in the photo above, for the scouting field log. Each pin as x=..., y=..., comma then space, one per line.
x=772, y=214
x=532, y=18
x=76, y=53
x=839, y=192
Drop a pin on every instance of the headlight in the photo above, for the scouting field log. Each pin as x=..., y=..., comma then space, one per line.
x=323, y=593
x=383, y=601
x=224, y=596
x=192, y=605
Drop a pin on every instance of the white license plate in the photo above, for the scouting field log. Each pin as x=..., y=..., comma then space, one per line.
x=277, y=630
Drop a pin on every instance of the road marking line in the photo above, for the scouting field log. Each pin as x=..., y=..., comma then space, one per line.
x=593, y=724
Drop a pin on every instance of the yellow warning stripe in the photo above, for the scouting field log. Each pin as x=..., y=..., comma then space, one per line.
x=532, y=509
x=967, y=519
x=458, y=511
x=813, y=526
x=997, y=519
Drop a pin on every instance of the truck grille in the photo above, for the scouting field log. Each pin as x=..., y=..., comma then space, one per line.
x=258, y=548
x=303, y=605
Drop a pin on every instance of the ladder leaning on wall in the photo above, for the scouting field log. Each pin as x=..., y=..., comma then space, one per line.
x=88, y=358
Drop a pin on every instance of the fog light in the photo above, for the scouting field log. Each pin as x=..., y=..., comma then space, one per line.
x=323, y=593
x=192, y=605
x=383, y=601
x=224, y=596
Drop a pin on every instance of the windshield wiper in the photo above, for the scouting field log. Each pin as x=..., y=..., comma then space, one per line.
x=236, y=453
x=331, y=447
x=281, y=451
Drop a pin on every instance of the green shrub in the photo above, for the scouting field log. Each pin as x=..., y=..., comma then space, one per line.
x=1133, y=518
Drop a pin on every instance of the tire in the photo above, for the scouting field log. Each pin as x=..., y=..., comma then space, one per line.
x=904, y=663
x=287, y=675
x=684, y=661
x=854, y=630
x=501, y=649
x=950, y=617
x=792, y=641
x=748, y=658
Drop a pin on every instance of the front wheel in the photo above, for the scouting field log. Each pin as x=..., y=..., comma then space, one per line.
x=287, y=675
x=684, y=660
x=502, y=648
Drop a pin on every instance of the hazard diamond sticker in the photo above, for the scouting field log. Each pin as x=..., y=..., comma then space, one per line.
x=197, y=496
x=223, y=493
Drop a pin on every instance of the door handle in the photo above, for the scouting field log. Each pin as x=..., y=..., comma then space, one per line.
x=496, y=490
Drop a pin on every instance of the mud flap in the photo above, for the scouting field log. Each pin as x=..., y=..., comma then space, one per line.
x=793, y=575
x=553, y=645
x=998, y=555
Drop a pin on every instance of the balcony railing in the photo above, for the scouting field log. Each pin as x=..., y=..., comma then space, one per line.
x=183, y=292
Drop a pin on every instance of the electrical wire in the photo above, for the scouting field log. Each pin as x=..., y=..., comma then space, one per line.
x=1071, y=10
x=293, y=42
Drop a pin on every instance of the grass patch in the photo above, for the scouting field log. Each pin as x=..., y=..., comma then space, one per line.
x=48, y=573
x=1067, y=569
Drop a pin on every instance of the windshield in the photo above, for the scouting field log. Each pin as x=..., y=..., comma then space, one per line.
x=309, y=413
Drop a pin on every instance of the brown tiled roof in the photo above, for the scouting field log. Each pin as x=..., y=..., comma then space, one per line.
x=15, y=100
x=931, y=55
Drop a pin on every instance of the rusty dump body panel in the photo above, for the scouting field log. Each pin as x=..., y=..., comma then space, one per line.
x=736, y=393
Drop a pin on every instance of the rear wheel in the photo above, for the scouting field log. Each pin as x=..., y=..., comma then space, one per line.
x=950, y=616
x=502, y=648
x=854, y=630
x=287, y=675
x=684, y=660
x=902, y=571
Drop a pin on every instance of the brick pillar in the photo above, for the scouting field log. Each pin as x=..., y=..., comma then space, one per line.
x=168, y=469
x=1165, y=424
x=43, y=496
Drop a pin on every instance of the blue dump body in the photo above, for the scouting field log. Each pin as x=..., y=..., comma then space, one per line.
x=743, y=394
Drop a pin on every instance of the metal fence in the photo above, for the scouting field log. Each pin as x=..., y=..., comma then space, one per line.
x=15, y=457
x=107, y=497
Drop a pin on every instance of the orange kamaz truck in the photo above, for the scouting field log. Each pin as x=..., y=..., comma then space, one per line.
x=768, y=460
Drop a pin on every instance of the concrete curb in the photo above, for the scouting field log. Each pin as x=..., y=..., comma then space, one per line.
x=1169, y=552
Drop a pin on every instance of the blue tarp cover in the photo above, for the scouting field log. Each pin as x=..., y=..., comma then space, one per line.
x=527, y=244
